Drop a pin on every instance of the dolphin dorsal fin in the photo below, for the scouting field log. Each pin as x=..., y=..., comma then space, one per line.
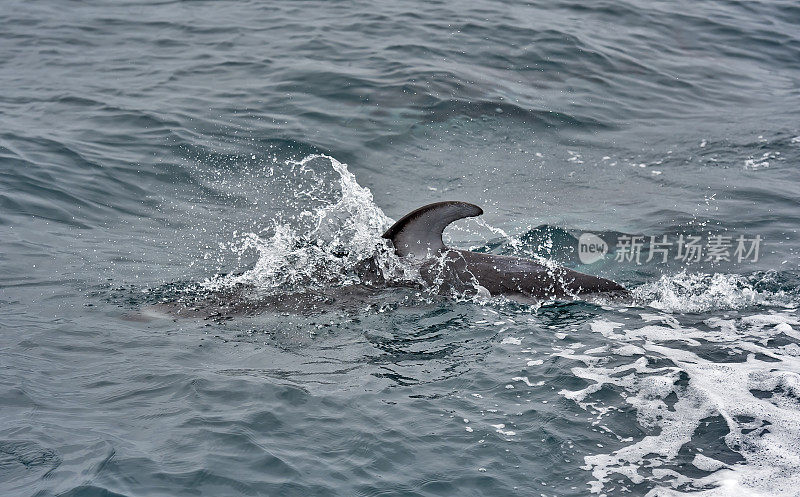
x=420, y=231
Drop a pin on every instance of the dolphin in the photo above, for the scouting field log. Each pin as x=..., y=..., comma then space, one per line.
x=417, y=237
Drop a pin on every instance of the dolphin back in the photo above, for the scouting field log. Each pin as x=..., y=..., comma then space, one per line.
x=419, y=232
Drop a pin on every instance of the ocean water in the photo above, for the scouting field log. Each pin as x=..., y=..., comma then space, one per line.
x=156, y=152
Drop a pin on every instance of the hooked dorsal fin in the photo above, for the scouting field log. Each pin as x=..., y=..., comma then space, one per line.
x=421, y=230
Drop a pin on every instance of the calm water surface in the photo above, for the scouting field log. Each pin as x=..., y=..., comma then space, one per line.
x=153, y=151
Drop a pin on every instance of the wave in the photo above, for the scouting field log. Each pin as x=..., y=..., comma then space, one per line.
x=705, y=292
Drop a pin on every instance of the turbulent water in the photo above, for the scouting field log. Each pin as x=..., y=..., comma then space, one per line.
x=155, y=153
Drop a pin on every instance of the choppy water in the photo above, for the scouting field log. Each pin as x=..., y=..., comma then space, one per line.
x=155, y=151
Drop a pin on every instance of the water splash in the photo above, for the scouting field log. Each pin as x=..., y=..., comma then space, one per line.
x=701, y=292
x=514, y=242
x=332, y=226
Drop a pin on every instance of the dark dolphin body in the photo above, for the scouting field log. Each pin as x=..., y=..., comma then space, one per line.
x=418, y=235
x=243, y=300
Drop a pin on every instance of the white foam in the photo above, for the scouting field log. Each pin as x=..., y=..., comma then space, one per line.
x=628, y=350
x=764, y=429
x=700, y=292
x=499, y=428
x=523, y=379
x=706, y=463
x=605, y=327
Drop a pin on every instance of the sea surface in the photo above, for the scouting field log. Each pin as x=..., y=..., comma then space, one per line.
x=155, y=152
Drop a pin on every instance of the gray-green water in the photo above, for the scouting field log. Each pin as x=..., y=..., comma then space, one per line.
x=157, y=150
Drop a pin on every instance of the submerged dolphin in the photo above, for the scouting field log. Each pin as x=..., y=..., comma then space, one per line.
x=418, y=235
